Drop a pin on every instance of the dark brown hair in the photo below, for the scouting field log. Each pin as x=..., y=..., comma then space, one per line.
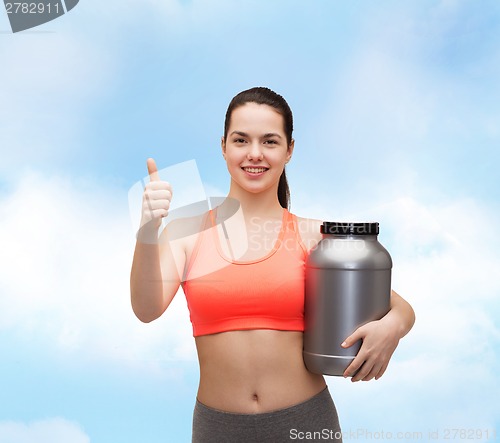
x=265, y=96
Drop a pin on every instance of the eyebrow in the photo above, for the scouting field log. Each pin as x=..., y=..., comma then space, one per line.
x=244, y=134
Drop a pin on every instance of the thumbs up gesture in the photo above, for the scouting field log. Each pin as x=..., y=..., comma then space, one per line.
x=156, y=199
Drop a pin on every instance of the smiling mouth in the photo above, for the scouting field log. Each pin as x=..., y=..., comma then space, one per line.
x=253, y=170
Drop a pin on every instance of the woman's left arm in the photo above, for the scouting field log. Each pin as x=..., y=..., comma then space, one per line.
x=380, y=339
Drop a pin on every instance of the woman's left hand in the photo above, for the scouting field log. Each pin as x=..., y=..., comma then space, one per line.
x=380, y=339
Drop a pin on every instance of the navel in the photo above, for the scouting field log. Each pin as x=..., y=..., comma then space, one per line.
x=255, y=397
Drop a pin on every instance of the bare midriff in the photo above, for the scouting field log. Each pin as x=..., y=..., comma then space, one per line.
x=254, y=371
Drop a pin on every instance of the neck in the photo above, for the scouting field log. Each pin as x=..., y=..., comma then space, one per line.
x=264, y=204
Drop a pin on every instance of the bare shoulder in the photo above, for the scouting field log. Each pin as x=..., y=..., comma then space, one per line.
x=309, y=230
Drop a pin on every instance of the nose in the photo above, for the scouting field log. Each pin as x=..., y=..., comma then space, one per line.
x=255, y=152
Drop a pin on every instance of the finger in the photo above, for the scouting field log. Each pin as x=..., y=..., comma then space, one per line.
x=158, y=194
x=152, y=170
x=156, y=204
x=363, y=372
x=358, y=334
x=373, y=373
x=157, y=213
x=353, y=367
x=159, y=184
x=382, y=371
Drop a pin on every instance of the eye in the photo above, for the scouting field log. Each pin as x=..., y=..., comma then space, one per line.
x=239, y=140
x=271, y=142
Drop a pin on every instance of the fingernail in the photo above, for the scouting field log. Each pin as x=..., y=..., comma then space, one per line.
x=344, y=344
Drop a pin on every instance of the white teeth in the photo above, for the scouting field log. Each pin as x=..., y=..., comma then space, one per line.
x=255, y=170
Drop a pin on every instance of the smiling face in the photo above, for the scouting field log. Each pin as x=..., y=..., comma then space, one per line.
x=256, y=147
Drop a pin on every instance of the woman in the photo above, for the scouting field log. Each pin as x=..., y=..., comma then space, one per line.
x=242, y=272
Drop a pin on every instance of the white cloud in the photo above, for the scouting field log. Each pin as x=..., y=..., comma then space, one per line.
x=67, y=250
x=54, y=430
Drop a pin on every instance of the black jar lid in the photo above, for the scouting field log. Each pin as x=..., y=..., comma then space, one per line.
x=346, y=228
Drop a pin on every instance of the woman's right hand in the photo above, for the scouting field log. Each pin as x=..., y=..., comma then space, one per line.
x=156, y=200
x=158, y=262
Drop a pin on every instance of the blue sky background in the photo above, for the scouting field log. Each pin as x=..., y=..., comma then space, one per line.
x=396, y=119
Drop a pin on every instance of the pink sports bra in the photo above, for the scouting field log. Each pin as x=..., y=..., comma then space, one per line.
x=266, y=293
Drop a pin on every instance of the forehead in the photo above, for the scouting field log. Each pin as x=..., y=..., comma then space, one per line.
x=256, y=118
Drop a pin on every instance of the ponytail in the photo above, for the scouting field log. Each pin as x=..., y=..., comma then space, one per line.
x=284, y=192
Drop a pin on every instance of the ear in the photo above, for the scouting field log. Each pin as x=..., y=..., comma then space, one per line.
x=223, y=146
x=290, y=150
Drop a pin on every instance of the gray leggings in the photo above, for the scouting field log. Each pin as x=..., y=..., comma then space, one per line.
x=315, y=419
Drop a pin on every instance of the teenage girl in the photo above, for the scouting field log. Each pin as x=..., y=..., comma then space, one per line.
x=241, y=266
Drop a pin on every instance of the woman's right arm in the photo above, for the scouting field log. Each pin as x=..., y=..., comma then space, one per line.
x=158, y=263
x=156, y=272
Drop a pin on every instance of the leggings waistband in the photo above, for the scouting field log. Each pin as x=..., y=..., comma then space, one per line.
x=277, y=415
